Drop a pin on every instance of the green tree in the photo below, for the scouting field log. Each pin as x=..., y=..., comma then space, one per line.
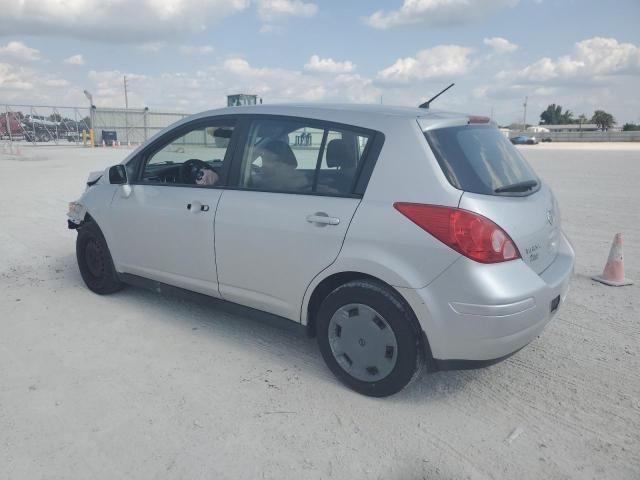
x=55, y=117
x=630, y=127
x=603, y=120
x=554, y=115
x=582, y=118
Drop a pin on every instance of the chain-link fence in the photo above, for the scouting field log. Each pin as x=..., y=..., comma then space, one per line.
x=43, y=123
x=129, y=126
x=46, y=124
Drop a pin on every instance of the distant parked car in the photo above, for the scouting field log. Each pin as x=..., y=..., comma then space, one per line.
x=403, y=235
x=524, y=140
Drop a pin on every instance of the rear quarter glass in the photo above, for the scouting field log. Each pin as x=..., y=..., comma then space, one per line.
x=479, y=159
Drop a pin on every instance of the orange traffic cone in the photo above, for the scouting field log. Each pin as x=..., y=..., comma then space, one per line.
x=613, y=273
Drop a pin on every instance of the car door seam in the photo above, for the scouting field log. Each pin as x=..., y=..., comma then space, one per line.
x=215, y=254
x=344, y=238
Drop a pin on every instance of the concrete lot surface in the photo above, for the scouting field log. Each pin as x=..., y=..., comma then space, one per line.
x=137, y=385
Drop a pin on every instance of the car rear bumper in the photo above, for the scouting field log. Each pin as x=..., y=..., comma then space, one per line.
x=479, y=312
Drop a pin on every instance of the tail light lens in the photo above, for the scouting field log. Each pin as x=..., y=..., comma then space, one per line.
x=478, y=119
x=473, y=235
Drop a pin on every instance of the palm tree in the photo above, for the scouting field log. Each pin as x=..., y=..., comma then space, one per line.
x=582, y=119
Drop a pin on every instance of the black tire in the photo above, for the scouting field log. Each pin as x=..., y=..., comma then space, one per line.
x=94, y=260
x=397, y=315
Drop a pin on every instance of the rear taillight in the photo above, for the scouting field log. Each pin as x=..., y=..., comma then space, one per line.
x=477, y=119
x=473, y=235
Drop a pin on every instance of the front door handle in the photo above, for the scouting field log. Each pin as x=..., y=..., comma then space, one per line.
x=321, y=219
x=196, y=207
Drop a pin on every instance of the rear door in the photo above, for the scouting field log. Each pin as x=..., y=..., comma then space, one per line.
x=500, y=185
x=287, y=217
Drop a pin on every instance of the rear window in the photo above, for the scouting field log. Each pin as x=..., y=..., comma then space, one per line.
x=480, y=159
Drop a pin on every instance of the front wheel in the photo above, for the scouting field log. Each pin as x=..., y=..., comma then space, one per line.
x=94, y=260
x=369, y=338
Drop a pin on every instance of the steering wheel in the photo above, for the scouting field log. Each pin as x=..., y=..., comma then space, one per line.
x=189, y=170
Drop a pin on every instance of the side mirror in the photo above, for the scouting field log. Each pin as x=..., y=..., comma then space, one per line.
x=118, y=175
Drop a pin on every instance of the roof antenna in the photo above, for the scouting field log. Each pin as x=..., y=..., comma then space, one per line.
x=428, y=102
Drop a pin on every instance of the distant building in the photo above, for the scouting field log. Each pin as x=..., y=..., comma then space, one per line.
x=242, y=99
x=576, y=127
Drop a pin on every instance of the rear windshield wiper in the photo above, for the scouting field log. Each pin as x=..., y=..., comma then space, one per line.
x=518, y=187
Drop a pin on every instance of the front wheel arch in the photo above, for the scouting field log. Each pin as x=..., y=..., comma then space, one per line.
x=99, y=275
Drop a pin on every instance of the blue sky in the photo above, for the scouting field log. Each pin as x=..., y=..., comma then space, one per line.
x=188, y=54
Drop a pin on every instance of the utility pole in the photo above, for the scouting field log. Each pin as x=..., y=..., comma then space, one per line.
x=524, y=117
x=126, y=113
x=126, y=98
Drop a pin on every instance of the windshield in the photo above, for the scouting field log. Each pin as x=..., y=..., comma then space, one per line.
x=480, y=159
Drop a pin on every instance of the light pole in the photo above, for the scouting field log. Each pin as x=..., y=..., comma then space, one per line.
x=126, y=110
x=91, y=109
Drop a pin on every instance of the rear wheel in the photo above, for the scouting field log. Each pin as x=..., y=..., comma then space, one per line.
x=94, y=260
x=368, y=338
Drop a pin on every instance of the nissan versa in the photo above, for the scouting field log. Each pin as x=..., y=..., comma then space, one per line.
x=398, y=236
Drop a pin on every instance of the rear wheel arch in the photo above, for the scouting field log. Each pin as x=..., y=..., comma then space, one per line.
x=324, y=288
x=391, y=308
x=330, y=283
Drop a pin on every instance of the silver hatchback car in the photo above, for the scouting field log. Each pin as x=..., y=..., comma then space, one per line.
x=399, y=237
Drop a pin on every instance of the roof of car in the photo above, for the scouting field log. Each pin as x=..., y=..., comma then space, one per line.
x=313, y=109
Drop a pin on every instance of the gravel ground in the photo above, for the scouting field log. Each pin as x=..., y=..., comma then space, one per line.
x=137, y=385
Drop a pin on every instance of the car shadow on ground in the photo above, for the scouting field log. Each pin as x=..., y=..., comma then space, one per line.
x=277, y=337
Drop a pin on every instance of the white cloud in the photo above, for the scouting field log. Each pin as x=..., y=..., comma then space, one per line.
x=196, y=50
x=108, y=86
x=283, y=85
x=19, y=51
x=75, y=60
x=270, y=10
x=436, y=62
x=114, y=20
x=592, y=59
x=500, y=45
x=436, y=12
x=151, y=47
x=25, y=83
x=11, y=80
x=270, y=28
x=328, y=65
x=208, y=87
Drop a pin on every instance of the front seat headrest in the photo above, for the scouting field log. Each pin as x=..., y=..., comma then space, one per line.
x=339, y=154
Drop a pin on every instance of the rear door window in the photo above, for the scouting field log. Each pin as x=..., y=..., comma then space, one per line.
x=480, y=159
x=299, y=156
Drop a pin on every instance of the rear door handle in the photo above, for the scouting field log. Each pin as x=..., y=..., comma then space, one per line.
x=322, y=219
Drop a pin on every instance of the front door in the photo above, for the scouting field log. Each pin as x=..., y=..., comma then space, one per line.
x=163, y=229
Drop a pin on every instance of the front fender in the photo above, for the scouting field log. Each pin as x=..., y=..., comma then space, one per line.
x=96, y=202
